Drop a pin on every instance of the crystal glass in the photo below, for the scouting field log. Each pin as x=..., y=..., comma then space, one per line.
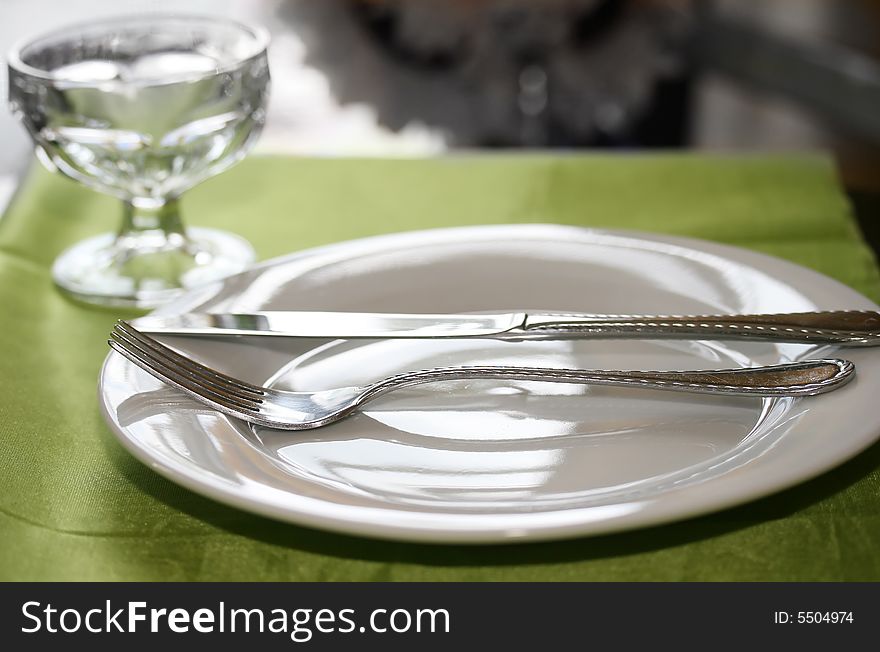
x=144, y=108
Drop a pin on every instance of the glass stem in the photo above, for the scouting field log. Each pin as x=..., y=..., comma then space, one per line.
x=155, y=222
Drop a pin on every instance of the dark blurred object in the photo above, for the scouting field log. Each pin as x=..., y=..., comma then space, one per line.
x=839, y=83
x=570, y=73
x=866, y=208
x=511, y=73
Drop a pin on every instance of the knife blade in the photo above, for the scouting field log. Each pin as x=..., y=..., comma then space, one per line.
x=346, y=325
x=845, y=327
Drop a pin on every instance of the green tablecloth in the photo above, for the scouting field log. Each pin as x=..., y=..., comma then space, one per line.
x=75, y=505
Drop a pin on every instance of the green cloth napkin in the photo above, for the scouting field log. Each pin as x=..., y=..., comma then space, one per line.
x=75, y=506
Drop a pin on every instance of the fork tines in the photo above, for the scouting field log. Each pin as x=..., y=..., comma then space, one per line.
x=209, y=385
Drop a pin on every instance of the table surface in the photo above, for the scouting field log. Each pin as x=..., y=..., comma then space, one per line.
x=76, y=506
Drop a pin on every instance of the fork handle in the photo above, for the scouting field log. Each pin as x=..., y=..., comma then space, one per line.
x=847, y=327
x=793, y=379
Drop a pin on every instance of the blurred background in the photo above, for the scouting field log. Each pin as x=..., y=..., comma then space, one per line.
x=423, y=77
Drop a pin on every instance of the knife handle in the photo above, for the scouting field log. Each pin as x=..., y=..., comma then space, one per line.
x=846, y=327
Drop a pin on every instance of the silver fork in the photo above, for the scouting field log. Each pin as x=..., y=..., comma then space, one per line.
x=304, y=410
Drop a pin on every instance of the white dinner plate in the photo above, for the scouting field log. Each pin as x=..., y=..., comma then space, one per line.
x=502, y=461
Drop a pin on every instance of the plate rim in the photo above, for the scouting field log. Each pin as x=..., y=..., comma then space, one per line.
x=584, y=521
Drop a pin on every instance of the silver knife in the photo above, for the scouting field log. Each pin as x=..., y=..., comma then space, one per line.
x=847, y=327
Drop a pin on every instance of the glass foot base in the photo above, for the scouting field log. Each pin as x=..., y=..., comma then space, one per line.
x=113, y=272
